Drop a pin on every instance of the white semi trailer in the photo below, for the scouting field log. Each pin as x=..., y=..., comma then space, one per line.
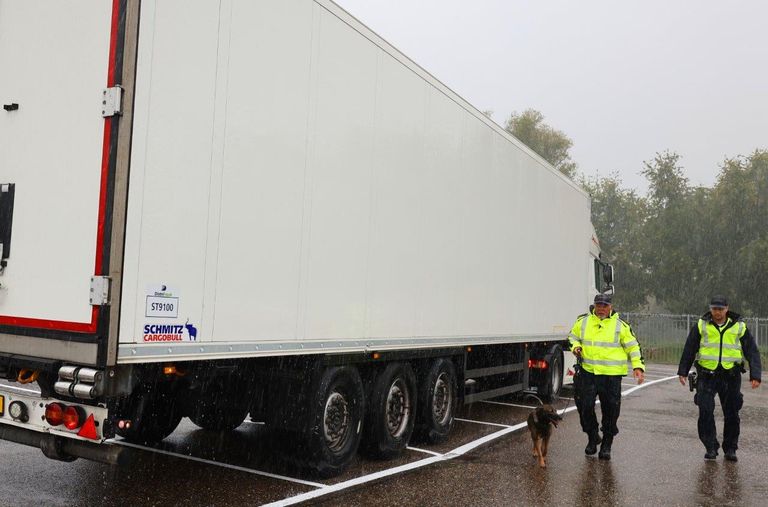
x=221, y=208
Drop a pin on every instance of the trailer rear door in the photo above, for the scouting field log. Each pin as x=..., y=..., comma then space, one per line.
x=56, y=60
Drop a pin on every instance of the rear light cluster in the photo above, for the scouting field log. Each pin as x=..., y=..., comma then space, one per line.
x=72, y=417
x=537, y=364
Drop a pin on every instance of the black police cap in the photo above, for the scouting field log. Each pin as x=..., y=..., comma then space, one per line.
x=604, y=299
x=718, y=301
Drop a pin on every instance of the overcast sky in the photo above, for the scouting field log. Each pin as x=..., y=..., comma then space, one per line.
x=623, y=79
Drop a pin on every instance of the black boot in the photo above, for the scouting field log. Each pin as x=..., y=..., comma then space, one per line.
x=605, y=449
x=594, y=441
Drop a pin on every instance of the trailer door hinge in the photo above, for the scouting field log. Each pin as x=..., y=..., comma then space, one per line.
x=100, y=290
x=111, y=101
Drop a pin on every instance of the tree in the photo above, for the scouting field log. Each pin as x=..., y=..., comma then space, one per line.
x=739, y=224
x=551, y=144
x=698, y=241
x=619, y=215
x=673, y=245
x=681, y=244
x=667, y=181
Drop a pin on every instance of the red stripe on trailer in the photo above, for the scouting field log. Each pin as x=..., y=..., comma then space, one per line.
x=87, y=327
x=56, y=325
x=105, y=155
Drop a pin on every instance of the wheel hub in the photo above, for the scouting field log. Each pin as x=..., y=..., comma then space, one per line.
x=441, y=400
x=398, y=408
x=336, y=421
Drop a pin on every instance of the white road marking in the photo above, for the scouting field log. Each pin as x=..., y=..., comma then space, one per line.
x=219, y=464
x=646, y=384
x=455, y=453
x=658, y=374
x=425, y=451
x=482, y=422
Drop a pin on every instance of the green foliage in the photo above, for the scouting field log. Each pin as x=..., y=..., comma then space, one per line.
x=551, y=144
x=668, y=184
x=681, y=244
x=740, y=198
x=618, y=215
x=669, y=230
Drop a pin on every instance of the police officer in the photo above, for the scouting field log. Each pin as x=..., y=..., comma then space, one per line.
x=604, y=343
x=720, y=341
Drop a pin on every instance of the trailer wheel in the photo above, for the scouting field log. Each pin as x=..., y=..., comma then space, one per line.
x=553, y=380
x=437, y=401
x=220, y=406
x=335, y=421
x=390, y=420
x=153, y=412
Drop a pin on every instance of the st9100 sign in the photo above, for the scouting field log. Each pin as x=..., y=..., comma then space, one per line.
x=164, y=307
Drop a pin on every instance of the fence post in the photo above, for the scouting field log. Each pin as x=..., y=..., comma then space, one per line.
x=687, y=322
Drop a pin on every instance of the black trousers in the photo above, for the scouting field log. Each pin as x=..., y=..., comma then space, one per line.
x=589, y=387
x=727, y=385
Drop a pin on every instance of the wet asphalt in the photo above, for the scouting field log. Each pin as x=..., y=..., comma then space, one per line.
x=657, y=459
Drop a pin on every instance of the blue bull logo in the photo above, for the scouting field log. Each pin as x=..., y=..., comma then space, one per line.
x=192, y=330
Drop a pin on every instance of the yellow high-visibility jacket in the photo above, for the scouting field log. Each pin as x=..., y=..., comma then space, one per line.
x=722, y=349
x=606, y=345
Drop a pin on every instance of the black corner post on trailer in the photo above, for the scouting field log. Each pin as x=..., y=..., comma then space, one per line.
x=7, y=193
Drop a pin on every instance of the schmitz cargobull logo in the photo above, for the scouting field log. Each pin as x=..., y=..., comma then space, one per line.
x=170, y=332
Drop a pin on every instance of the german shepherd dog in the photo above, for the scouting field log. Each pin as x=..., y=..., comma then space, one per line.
x=540, y=423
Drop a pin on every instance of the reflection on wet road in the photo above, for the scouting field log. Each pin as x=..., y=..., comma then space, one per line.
x=657, y=459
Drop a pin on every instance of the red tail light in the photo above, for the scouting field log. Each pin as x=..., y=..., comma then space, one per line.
x=73, y=417
x=54, y=413
x=537, y=364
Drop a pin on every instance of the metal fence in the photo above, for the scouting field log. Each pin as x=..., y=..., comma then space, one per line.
x=662, y=337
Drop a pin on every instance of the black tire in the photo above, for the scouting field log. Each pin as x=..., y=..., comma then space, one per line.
x=437, y=401
x=154, y=413
x=335, y=421
x=552, y=381
x=392, y=411
x=222, y=405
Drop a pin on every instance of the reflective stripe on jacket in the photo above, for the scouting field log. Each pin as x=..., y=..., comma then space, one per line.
x=720, y=346
x=606, y=345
